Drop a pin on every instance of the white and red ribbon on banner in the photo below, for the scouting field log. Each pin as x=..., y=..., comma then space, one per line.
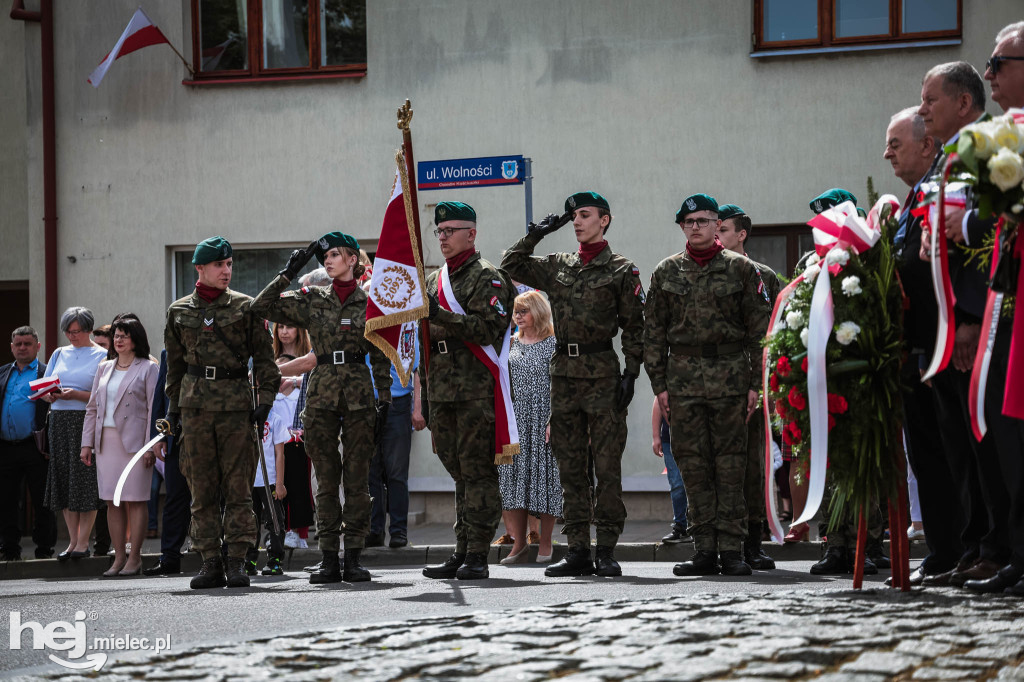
x=506, y=430
x=983, y=356
x=140, y=33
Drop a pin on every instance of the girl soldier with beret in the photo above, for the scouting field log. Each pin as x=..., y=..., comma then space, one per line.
x=340, y=395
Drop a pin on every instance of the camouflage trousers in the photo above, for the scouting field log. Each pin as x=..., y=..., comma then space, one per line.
x=463, y=435
x=845, y=533
x=709, y=443
x=218, y=460
x=334, y=470
x=754, y=481
x=584, y=421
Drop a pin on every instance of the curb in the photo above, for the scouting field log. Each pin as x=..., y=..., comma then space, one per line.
x=92, y=567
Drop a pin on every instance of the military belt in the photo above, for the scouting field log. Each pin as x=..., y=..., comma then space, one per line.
x=341, y=357
x=708, y=350
x=574, y=350
x=442, y=347
x=217, y=373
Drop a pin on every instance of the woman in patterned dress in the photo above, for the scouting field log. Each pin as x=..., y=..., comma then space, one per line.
x=530, y=485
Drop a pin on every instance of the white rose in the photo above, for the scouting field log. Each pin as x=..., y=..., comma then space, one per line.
x=804, y=333
x=811, y=273
x=1006, y=169
x=837, y=255
x=813, y=259
x=851, y=285
x=794, y=319
x=978, y=136
x=1008, y=135
x=847, y=332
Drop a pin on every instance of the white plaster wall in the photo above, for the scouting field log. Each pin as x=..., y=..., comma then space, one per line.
x=645, y=102
x=13, y=152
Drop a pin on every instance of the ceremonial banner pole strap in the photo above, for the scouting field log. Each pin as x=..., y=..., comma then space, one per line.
x=1013, y=402
x=940, y=282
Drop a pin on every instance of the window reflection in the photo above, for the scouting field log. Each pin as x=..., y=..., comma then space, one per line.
x=790, y=20
x=285, y=34
x=929, y=15
x=862, y=18
x=342, y=32
x=222, y=37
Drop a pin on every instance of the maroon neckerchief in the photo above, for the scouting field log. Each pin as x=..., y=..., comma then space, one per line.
x=208, y=294
x=343, y=289
x=458, y=259
x=704, y=256
x=589, y=251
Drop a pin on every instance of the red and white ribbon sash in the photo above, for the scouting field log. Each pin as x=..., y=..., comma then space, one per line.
x=506, y=431
x=940, y=274
x=983, y=356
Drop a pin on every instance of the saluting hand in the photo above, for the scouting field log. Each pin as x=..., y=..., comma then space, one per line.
x=548, y=224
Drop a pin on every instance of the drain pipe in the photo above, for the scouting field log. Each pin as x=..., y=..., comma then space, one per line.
x=45, y=19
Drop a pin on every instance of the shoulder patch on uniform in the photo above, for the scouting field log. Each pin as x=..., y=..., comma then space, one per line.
x=636, y=271
x=496, y=304
x=496, y=283
x=304, y=290
x=638, y=291
x=762, y=289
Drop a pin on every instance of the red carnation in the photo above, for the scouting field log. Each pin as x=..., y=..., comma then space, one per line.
x=803, y=365
x=796, y=398
x=782, y=367
x=780, y=409
x=773, y=382
x=791, y=435
x=837, y=404
x=831, y=422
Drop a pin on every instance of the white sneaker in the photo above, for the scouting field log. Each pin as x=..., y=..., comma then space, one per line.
x=915, y=533
x=302, y=544
x=291, y=539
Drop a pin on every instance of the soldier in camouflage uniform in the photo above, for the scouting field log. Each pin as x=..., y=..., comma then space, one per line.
x=340, y=395
x=593, y=294
x=210, y=336
x=460, y=388
x=705, y=322
x=733, y=230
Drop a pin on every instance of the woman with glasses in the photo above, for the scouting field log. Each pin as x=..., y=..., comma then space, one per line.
x=117, y=420
x=70, y=485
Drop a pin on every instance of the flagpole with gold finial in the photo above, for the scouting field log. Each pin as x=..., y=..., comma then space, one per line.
x=404, y=119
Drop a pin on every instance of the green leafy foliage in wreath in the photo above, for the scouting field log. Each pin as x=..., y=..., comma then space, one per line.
x=863, y=357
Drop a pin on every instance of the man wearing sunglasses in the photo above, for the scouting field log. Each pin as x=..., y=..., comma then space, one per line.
x=1005, y=68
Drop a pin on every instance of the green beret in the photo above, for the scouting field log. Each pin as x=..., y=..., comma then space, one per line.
x=210, y=250
x=694, y=203
x=833, y=197
x=453, y=210
x=726, y=211
x=332, y=240
x=581, y=199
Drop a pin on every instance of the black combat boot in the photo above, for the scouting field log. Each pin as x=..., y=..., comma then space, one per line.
x=733, y=564
x=835, y=562
x=234, y=569
x=605, y=564
x=448, y=569
x=475, y=567
x=329, y=571
x=354, y=571
x=211, y=574
x=576, y=562
x=877, y=555
x=704, y=562
x=753, y=555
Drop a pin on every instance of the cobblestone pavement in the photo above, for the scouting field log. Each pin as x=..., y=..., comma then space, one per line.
x=876, y=634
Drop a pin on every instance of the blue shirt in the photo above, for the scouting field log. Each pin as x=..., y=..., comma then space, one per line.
x=76, y=368
x=397, y=389
x=19, y=413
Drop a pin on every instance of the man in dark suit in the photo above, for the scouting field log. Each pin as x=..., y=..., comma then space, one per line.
x=953, y=96
x=911, y=152
x=178, y=498
x=20, y=459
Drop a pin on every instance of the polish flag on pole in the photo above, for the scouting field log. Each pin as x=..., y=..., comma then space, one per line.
x=140, y=33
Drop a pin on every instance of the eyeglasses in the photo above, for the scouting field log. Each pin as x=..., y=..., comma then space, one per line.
x=993, y=63
x=448, y=231
x=520, y=311
x=75, y=332
x=121, y=337
x=699, y=222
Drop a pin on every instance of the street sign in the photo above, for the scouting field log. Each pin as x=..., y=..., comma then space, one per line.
x=481, y=172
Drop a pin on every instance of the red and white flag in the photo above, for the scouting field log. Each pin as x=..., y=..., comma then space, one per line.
x=140, y=33
x=43, y=386
x=397, y=285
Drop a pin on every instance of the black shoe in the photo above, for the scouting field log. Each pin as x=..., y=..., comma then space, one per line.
x=576, y=563
x=398, y=540
x=474, y=568
x=835, y=562
x=235, y=572
x=354, y=571
x=917, y=577
x=1007, y=576
x=250, y=566
x=605, y=564
x=677, y=535
x=329, y=571
x=704, y=562
x=64, y=556
x=753, y=555
x=44, y=552
x=211, y=574
x=101, y=549
x=81, y=555
x=273, y=567
x=733, y=564
x=375, y=540
x=448, y=569
x=877, y=556
x=163, y=567
x=10, y=556
x=1017, y=589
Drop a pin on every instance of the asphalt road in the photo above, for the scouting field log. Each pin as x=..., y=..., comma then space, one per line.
x=158, y=607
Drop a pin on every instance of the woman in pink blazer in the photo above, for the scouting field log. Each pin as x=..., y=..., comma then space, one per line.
x=117, y=421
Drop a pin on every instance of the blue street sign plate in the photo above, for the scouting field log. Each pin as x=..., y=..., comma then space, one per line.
x=457, y=173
